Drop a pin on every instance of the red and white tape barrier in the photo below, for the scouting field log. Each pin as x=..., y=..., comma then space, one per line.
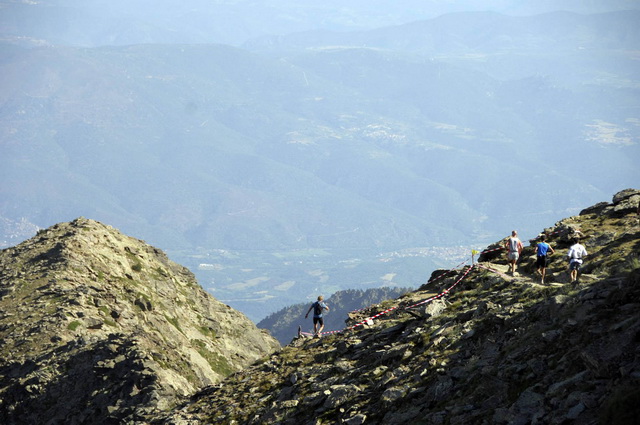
x=440, y=276
x=382, y=313
x=435, y=297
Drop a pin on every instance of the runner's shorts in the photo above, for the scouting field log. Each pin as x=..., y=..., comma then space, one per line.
x=541, y=261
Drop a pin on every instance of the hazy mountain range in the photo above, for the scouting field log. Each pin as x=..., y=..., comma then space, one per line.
x=442, y=131
x=121, y=22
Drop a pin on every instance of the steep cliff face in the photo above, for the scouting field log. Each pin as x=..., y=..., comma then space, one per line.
x=99, y=327
x=476, y=345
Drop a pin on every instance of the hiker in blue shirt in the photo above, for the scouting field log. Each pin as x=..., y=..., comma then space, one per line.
x=542, y=248
x=318, y=320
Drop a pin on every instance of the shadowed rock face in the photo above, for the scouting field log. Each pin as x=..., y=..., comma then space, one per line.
x=499, y=348
x=99, y=327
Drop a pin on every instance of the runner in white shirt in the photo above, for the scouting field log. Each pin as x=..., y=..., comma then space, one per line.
x=575, y=255
x=514, y=248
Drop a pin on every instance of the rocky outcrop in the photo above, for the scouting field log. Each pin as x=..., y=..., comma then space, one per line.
x=492, y=349
x=624, y=202
x=99, y=327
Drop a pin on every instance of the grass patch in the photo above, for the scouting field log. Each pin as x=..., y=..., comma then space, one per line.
x=174, y=321
x=73, y=325
x=424, y=340
x=208, y=332
x=137, y=266
x=217, y=362
x=143, y=295
x=163, y=364
x=160, y=272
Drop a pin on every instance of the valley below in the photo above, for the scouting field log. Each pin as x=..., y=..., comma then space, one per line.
x=259, y=283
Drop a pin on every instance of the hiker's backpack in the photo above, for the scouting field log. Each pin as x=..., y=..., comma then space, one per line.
x=317, y=308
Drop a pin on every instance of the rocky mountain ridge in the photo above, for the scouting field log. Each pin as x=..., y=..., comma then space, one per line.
x=99, y=327
x=490, y=348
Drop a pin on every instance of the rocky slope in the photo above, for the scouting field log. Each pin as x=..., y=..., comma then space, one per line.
x=99, y=327
x=489, y=348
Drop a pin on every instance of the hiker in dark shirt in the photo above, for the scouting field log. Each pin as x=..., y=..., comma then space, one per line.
x=318, y=320
x=542, y=249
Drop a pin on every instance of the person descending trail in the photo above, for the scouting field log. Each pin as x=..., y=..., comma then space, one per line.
x=542, y=248
x=318, y=320
x=514, y=248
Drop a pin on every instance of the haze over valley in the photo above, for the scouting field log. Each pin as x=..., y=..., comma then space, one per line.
x=285, y=149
